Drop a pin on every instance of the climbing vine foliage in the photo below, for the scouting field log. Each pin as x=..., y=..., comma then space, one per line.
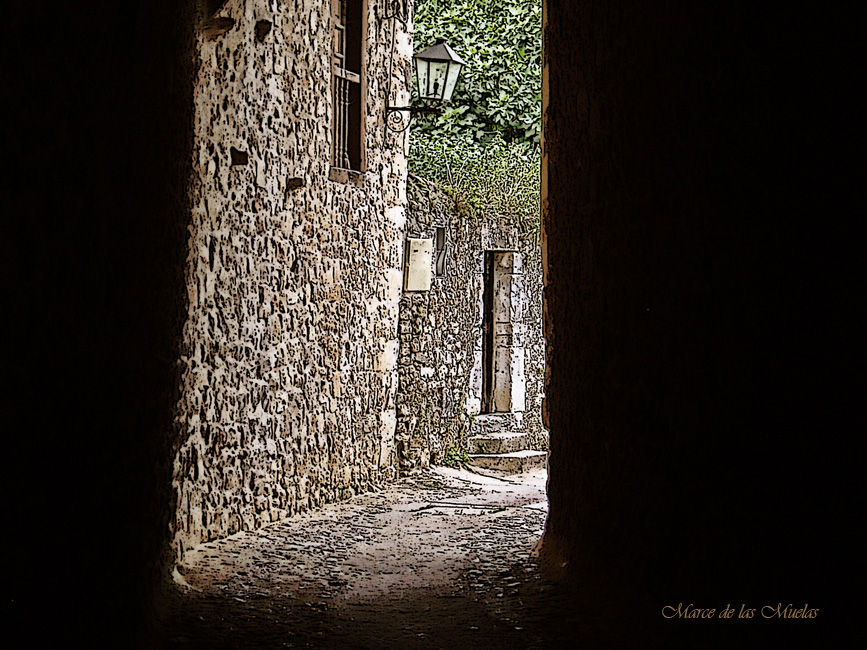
x=484, y=147
x=498, y=180
x=500, y=90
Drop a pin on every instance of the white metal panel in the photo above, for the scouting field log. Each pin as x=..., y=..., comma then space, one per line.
x=418, y=268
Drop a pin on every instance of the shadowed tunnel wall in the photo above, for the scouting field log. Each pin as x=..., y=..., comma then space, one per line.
x=701, y=309
x=96, y=144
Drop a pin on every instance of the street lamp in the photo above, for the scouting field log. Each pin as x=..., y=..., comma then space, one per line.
x=437, y=70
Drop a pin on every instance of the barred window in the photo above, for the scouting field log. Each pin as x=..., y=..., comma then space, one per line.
x=347, y=71
x=440, y=241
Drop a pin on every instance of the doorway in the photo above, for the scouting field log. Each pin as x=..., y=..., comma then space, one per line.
x=503, y=384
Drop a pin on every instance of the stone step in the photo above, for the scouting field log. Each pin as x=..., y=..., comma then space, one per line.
x=516, y=462
x=497, y=423
x=498, y=443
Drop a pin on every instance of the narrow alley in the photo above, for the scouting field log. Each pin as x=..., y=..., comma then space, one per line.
x=241, y=332
x=440, y=559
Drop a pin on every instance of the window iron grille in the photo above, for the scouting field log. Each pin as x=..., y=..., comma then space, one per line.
x=346, y=152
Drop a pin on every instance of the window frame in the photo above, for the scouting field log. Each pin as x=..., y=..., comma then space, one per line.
x=349, y=49
x=441, y=251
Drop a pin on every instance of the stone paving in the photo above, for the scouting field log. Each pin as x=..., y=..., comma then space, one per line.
x=440, y=559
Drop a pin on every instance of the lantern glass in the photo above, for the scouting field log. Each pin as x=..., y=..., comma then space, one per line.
x=423, y=75
x=435, y=82
x=451, y=81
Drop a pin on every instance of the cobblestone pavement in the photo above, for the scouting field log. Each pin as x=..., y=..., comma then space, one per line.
x=441, y=559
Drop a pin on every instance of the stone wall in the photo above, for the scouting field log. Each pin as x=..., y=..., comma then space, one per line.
x=98, y=117
x=441, y=332
x=290, y=346
x=700, y=268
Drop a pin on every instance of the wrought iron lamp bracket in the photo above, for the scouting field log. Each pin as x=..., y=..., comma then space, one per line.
x=394, y=115
x=398, y=118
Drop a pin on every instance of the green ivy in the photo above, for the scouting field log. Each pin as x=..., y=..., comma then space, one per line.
x=483, y=150
x=499, y=95
x=497, y=181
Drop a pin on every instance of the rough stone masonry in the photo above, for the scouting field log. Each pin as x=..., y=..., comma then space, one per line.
x=441, y=347
x=289, y=353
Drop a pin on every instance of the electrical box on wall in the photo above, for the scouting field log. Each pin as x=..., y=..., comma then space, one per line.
x=417, y=270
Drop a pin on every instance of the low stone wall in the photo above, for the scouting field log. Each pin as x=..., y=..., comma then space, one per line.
x=441, y=332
